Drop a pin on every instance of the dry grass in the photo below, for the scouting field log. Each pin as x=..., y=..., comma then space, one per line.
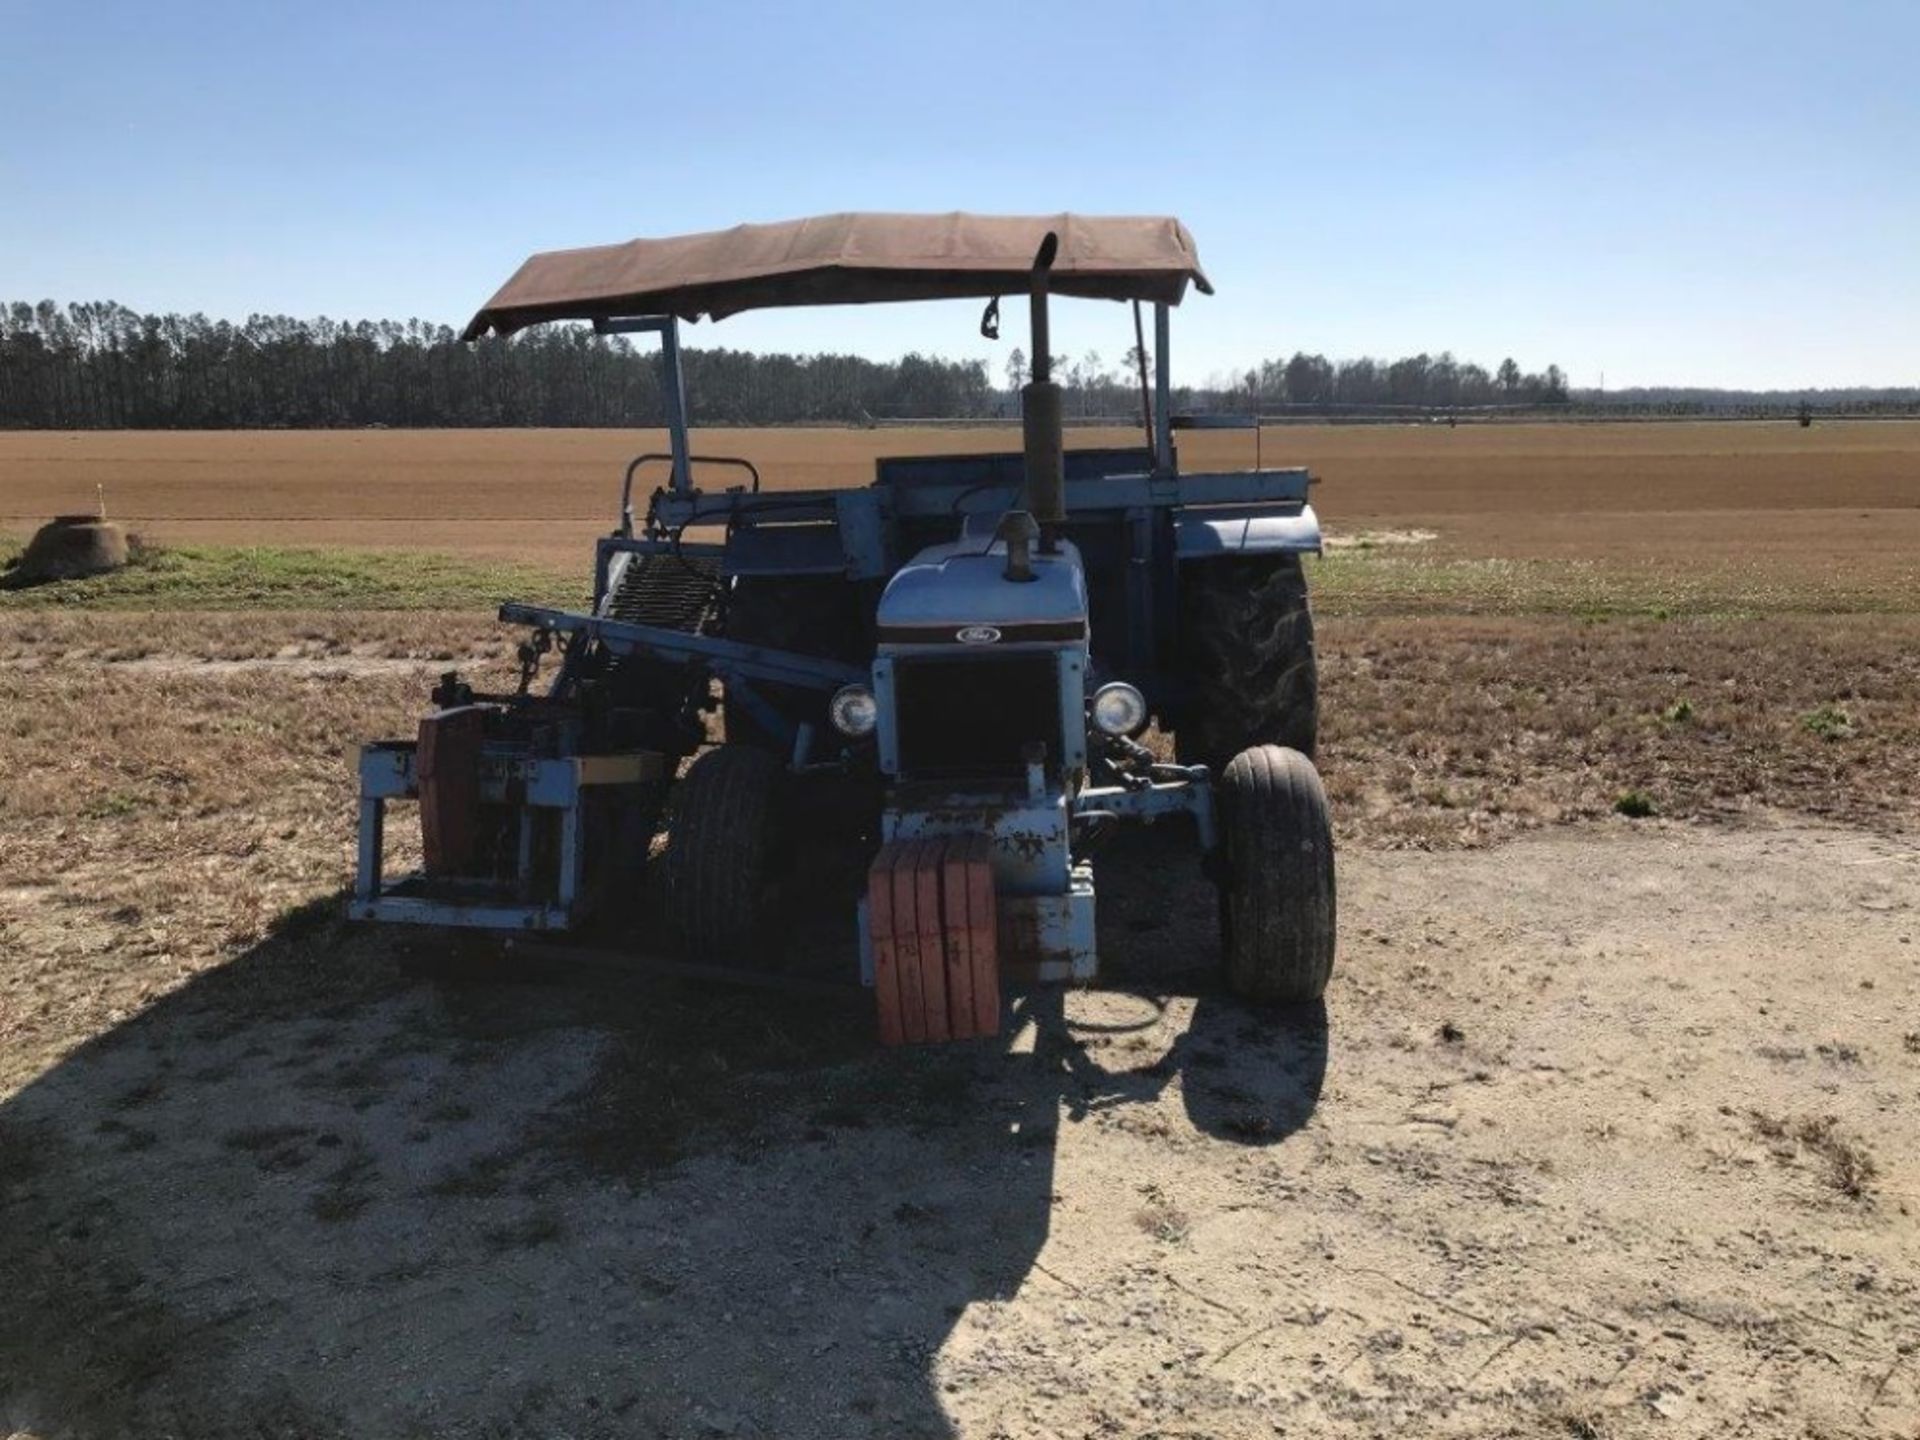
x=1582, y=1422
x=1444, y=731
x=157, y=820
x=1454, y=578
x=31, y=638
x=1166, y=1223
x=257, y=577
x=1847, y=1165
x=158, y=817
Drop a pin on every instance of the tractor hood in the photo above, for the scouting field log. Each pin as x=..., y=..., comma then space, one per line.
x=958, y=594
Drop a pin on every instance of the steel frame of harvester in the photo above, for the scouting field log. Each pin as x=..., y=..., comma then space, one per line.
x=1146, y=519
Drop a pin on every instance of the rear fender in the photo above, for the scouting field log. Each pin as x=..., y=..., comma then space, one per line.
x=1218, y=533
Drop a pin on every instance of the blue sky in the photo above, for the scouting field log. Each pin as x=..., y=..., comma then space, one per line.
x=1710, y=193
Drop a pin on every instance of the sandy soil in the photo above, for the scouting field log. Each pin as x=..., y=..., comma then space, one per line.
x=1606, y=1131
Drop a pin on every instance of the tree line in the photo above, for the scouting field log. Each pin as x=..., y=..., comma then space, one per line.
x=1425, y=381
x=103, y=365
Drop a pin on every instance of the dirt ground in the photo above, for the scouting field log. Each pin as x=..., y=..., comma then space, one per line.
x=1608, y=1126
x=1597, y=1134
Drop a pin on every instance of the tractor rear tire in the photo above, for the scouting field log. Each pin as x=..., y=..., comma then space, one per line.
x=724, y=849
x=1277, y=912
x=1246, y=640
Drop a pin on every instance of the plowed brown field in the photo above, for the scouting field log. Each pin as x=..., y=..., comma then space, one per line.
x=1658, y=492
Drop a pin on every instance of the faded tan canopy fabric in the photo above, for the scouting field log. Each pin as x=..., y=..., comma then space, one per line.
x=847, y=259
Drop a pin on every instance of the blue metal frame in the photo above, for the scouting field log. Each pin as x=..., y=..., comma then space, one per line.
x=1045, y=897
x=389, y=771
x=1147, y=522
x=1160, y=519
x=667, y=327
x=1191, y=795
x=966, y=494
x=726, y=658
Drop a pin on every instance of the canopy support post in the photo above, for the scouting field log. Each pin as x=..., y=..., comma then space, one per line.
x=673, y=386
x=676, y=393
x=1162, y=390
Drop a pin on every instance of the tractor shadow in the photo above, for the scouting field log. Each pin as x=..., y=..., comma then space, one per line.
x=308, y=1195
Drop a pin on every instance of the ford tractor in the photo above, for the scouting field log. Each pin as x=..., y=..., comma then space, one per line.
x=1004, y=656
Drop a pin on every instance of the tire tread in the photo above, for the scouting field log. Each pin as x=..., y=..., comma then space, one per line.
x=1278, y=896
x=1248, y=653
x=720, y=848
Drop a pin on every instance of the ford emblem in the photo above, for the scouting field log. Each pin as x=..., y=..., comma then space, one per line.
x=978, y=635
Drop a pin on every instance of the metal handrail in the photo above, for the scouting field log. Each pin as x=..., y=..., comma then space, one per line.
x=626, y=488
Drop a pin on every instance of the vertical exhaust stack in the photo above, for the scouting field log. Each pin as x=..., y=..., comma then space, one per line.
x=1040, y=413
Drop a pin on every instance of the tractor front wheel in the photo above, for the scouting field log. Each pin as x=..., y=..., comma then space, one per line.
x=1276, y=877
x=724, y=850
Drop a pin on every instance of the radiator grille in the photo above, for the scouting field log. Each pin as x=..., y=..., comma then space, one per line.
x=975, y=714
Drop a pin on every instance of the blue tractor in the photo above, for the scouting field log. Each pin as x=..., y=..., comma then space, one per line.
x=972, y=647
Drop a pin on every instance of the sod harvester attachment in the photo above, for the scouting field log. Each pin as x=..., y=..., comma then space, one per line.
x=967, y=649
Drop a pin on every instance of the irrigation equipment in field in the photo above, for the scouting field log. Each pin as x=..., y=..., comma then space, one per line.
x=972, y=646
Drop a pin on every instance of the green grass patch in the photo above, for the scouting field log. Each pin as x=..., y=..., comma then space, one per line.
x=1829, y=722
x=115, y=805
x=1381, y=582
x=264, y=577
x=1635, y=805
x=1355, y=581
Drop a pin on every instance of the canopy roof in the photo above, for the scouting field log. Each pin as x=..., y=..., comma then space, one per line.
x=849, y=259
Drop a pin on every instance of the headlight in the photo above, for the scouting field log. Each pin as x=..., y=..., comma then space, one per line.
x=854, y=711
x=1119, y=709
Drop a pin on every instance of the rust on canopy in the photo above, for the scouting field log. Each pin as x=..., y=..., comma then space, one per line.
x=848, y=259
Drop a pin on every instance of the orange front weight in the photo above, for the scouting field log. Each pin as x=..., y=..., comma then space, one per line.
x=930, y=913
